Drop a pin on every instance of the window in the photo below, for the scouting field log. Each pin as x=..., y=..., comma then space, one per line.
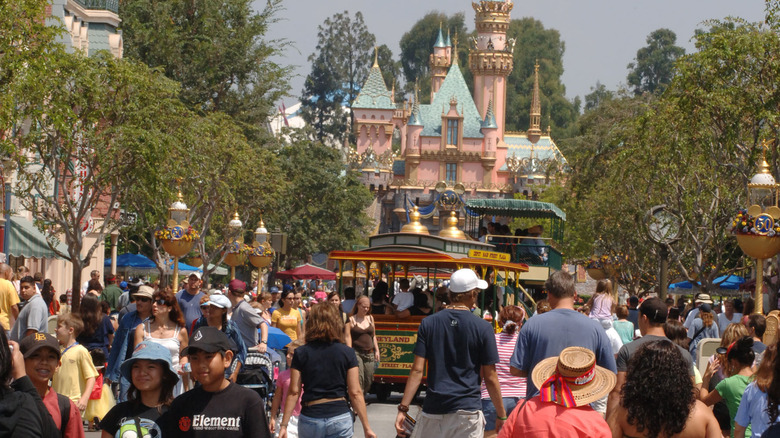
x=452, y=132
x=452, y=172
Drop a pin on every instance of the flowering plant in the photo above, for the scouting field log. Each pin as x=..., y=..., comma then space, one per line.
x=177, y=233
x=607, y=260
x=744, y=223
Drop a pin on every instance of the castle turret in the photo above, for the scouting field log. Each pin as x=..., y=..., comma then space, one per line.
x=490, y=59
x=535, y=131
x=440, y=61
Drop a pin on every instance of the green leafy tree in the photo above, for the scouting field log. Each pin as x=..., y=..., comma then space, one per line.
x=217, y=50
x=321, y=104
x=653, y=67
x=87, y=131
x=324, y=208
x=346, y=47
x=598, y=95
x=391, y=70
x=417, y=46
x=544, y=46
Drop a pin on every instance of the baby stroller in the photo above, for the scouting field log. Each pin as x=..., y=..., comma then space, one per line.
x=257, y=374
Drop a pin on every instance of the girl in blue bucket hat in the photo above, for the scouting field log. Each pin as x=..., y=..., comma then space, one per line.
x=152, y=380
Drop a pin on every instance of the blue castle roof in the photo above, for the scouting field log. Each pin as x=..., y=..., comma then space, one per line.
x=453, y=86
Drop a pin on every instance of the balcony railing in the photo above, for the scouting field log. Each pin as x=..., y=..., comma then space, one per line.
x=108, y=5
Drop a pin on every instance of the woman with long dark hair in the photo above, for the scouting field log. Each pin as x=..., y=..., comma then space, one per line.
x=737, y=362
x=152, y=380
x=287, y=318
x=49, y=297
x=166, y=327
x=98, y=330
x=328, y=370
x=658, y=376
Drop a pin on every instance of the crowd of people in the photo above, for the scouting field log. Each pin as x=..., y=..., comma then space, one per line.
x=156, y=361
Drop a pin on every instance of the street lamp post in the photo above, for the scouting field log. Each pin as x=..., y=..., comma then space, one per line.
x=262, y=254
x=234, y=256
x=663, y=227
x=757, y=227
x=178, y=237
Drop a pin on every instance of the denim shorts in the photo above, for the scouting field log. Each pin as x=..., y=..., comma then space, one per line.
x=333, y=427
x=490, y=411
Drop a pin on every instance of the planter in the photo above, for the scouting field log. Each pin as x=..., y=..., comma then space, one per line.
x=195, y=261
x=260, y=261
x=177, y=248
x=759, y=247
x=597, y=273
x=235, y=259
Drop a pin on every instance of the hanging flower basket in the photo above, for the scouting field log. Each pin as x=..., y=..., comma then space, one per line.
x=597, y=273
x=195, y=261
x=237, y=254
x=177, y=240
x=261, y=256
x=758, y=236
x=759, y=247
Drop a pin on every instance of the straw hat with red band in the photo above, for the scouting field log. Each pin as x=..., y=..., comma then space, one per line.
x=572, y=379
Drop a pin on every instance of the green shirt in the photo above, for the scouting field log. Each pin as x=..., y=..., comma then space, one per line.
x=731, y=389
x=111, y=295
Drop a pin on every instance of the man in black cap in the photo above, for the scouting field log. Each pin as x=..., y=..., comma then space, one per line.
x=217, y=407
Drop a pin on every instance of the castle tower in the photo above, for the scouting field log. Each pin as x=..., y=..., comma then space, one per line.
x=490, y=59
x=440, y=61
x=535, y=131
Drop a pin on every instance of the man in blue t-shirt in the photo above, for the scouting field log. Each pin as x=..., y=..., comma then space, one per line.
x=546, y=335
x=189, y=300
x=458, y=346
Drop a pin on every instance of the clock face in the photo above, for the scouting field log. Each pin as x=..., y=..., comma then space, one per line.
x=663, y=226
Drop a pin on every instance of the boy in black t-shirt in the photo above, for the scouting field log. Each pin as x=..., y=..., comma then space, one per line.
x=218, y=407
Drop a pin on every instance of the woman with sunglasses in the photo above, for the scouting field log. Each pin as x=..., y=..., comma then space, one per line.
x=166, y=327
x=215, y=308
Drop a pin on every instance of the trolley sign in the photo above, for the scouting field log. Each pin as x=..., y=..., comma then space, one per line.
x=488, y=255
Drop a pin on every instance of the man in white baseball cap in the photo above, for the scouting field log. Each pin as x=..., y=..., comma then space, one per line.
x=455, y=343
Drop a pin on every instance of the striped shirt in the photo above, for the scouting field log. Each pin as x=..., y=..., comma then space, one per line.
x=511, y=386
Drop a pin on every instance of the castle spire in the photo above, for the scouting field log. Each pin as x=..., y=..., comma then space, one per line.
x=536, y=109
x=448, y=42
x=440, y=39
x=376, y=57
x=455, y=48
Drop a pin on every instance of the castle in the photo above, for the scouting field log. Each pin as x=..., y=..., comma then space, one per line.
x=455, y=148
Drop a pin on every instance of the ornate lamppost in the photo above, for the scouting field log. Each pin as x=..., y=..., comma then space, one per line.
x=235, y=254
x=178, y=236
x=261, y=254
x=757, y=227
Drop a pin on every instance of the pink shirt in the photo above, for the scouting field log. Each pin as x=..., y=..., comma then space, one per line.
x=511, y=386
x=602, y=307
x=283, y=383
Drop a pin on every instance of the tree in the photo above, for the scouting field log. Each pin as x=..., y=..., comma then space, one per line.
x=324, y=208
x=545, y=47
x=88, y=132
x=216, y=49
x=417, y=46
x=346, y=47
x=391, y=71
x=598, y=95
x=321, y=104
x=652, y=69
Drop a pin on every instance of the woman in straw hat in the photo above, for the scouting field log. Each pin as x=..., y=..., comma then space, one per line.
x=567, y=385
x=658, y=375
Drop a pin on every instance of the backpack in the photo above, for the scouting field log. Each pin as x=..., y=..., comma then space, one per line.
x=64, y=404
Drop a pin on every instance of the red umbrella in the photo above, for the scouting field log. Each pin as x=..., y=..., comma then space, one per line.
x=307, y=272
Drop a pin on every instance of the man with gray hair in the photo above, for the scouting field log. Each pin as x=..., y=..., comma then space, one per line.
x=546, y=335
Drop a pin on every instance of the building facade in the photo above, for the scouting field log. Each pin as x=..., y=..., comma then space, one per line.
x=456, y=147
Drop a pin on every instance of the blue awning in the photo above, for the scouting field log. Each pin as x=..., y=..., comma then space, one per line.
x=23, y=239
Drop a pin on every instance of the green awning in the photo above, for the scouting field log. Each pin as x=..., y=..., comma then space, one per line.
x=23, y=239
x=515, y=208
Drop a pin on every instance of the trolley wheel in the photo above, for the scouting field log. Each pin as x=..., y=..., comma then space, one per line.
x=383, y=391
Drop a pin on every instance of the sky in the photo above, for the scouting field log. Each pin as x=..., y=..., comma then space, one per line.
x=601, y=37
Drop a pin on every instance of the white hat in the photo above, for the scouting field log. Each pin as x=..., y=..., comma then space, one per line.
x=195, y=273
x=466, y=280
x=218, y=300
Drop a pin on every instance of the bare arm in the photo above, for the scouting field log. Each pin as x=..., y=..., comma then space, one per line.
x=138, y=337
x=494, y=389
x=415, y=378
x=613, y=400
x=358, y=403
x=709, y=397
x=377, y=354
x=262, y=347
x=293, y=392
x=29, y=332
x=82, y=403
x=739, y=431
x=517, y=372
x=348, y=333
x=275, y=405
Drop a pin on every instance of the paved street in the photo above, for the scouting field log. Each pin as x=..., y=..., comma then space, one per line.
x=380, y=414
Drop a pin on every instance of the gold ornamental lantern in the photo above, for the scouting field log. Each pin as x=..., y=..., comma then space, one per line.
x=178, y=237
x=757, y=228
x=234, y=255
x=414, y=226
x=451, y=230
x=262, y=254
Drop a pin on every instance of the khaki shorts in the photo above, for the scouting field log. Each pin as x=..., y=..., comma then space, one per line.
x=460, y=424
